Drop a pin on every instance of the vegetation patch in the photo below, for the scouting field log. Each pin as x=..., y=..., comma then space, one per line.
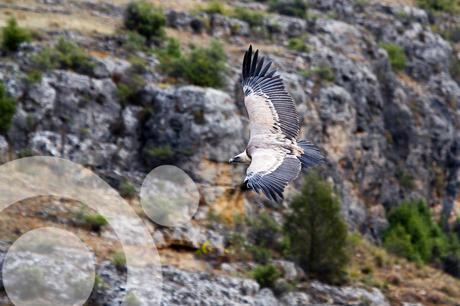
x=127, y=190
x=7, y=110
x=202, y=66
x=13, y=36
x=160, y=152
x=65, y=55
x=413, y=234
x=214, y=7
x=320, y=73
x=128, y=87
x=119, y=260
x=298, y=44
x=294, y=8
x=134, y=41
x=396, y=55
x=252, y=17
x=92, y=221
x=316, y=232
x=266, y=275
x=449, y=6
x=145, y=19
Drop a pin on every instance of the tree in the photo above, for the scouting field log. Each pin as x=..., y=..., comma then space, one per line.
x=317, y=233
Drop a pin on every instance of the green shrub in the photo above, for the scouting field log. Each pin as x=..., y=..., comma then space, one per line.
x=202, y=66
x=70, y=56
x=33, y=76
x=13, y=36
x=298, y=44
x=145, y=19
x=252, y=17
x=324, y=73
x=46, y=59
x=260, y=254
x=295, y=8
x=214, y=7
x=127, y=190
x=128, y=88
x=452, y=34
x=205, y=66
x=170, y=57
x=398, y=242
x=266, y=275
x=7, y=109
x=396, y=55
x=65, y=55
x=93, y=221
x=439, y=5
x=161, y=152
x=317, y=233
x=134, y=41
x=412, y=233
x=119, y=260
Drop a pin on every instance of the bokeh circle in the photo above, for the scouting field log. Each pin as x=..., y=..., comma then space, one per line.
x=169, y=196
x=48, y=266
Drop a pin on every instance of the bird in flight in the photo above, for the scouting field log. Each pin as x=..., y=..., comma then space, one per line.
x=275, y=155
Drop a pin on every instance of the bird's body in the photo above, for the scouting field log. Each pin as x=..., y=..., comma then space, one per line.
x=275, y=155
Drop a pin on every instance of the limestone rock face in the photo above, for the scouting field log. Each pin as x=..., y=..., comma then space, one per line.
x=388, y=134
x=194, y=123
x=348, y=295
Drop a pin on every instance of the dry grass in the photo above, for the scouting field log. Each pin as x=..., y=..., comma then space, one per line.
x=82, y=22
x=401, y=280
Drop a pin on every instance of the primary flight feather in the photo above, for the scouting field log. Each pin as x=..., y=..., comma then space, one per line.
x=275, y=155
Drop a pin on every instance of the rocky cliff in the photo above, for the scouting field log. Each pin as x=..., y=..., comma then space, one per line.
x=390, y=133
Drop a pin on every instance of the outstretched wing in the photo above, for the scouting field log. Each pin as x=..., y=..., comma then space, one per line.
x=270, y=171
x=270, y=108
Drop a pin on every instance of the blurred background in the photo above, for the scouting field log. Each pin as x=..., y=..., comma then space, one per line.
x=122, y=87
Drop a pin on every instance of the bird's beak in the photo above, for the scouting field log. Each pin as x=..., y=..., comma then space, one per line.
x=231, y=161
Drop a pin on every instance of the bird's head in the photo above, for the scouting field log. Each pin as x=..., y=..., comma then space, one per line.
x=240, y=158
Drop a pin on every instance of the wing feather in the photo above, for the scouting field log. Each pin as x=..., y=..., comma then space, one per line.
x=271, y=170
x=259, y=81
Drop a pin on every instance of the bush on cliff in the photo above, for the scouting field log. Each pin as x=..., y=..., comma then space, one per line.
x=316, y=232
x=396, y=55
x=202, y=66
x=413, y=234
x=439, y=5
x=294, y=8
x=13, y=36
x=266, y=275
x=64, y=55
x=7, y=109
x=142, y=17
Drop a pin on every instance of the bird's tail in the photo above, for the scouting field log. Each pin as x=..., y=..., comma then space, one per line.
x=311, y=155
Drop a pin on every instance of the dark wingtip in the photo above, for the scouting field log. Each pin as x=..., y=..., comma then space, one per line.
x=244, y=186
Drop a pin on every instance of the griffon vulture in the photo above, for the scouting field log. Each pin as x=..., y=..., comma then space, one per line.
x=275, y=155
